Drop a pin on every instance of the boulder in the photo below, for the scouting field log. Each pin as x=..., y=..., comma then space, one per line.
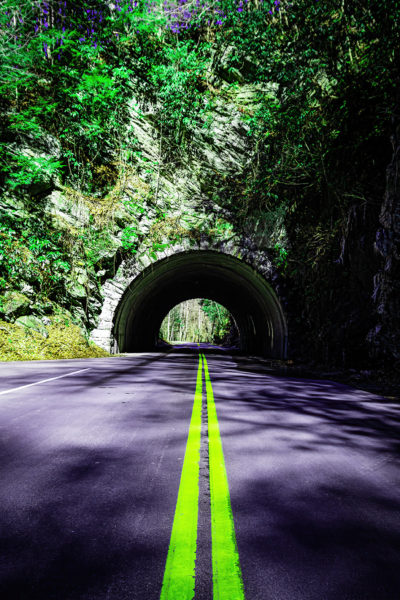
x=31, y=322
x=14, y=304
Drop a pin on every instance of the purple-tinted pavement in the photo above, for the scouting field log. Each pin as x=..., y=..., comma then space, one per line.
x=90, y=467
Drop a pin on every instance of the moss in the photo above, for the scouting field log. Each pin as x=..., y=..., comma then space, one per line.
x=127, y=187
x=65, y=340
x=168, y=228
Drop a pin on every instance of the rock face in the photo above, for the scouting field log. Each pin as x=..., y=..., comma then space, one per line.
x=14, y=304
x=186, y=186
x=34, y=323
x=163, y=201
x=385, y=336
x=220, y=148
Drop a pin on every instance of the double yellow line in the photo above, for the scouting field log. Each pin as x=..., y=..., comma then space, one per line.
x=180, y=569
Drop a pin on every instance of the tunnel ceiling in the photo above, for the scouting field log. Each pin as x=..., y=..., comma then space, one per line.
x=201, y=274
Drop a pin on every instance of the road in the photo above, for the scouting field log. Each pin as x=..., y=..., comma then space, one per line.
x=91, y=458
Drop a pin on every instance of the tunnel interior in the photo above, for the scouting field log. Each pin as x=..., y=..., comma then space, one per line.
x=229, y=281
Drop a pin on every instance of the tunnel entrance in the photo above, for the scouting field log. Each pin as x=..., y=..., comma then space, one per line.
x=225, y=279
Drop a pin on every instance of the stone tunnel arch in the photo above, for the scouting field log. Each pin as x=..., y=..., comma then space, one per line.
x=233, y=283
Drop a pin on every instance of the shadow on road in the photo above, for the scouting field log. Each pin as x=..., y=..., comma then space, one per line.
x=89, y=478
x=314, y=474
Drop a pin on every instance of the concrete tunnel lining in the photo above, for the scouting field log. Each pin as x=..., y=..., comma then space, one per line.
x=233, y=283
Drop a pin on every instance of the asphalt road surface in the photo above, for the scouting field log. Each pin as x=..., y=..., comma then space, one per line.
x=91, y=459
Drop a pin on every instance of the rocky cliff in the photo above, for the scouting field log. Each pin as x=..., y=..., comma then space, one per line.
x=384, y=337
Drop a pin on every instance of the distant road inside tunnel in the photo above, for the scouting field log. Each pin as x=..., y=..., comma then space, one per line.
x=92, y=456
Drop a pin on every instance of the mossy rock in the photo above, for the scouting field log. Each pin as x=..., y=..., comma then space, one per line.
x=14, y=304
x=34, y=323
x=76, y=289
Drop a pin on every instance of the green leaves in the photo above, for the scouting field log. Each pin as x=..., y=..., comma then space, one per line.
x=24, y=256
x=129, y=238
x=25, y=170
x=177, y=83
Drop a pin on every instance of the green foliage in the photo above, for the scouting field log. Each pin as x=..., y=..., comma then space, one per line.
x=331, y=106
x=177, y=81
x=25, y=170
x=76, y=87
x=281, y=259
x=129, y=238
x=79, y=97
x=26, y=257
x=220, y=318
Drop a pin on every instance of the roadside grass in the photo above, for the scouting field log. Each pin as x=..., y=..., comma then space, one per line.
x=65, y=340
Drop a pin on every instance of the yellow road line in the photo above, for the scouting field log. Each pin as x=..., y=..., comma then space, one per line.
x=179, y=575
x=227, y=575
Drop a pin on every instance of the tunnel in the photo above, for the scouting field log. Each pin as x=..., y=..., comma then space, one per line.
x=229, y=281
